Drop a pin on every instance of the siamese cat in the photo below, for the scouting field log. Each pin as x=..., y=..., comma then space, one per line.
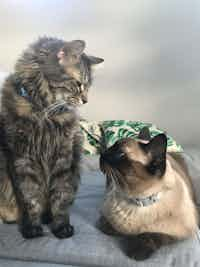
x=149, y=198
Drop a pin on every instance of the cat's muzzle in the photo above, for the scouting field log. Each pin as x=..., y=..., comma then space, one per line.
x=112, y=159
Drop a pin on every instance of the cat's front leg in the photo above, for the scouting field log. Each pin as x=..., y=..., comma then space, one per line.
x=142, y=246
x=76, y=156
x=62, y=192
x=30, y=197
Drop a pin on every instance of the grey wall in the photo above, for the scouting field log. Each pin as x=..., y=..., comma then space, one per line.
x=151, y=51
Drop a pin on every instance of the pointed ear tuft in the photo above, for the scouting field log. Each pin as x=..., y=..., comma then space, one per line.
x=77, y=47
x=157, y=148
x=95, y=60
x=144, y=134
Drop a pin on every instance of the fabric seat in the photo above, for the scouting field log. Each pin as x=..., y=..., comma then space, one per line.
x=90, y=247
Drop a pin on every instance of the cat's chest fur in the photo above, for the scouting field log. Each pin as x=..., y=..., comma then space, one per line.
x=43, y=140
x=162, y=216
x=125, y=217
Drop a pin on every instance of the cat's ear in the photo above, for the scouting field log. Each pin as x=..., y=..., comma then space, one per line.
x=144, y=134
x=71, y=49
x=156, y=149
x=95, y=60
x=158, y=145
x=70, y=53
x=77, y=47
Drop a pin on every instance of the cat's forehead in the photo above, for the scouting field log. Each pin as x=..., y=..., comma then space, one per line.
x=133, y=150
x=79, y=70
x=126, y=142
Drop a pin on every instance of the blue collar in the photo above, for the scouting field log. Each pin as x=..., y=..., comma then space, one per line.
x=141, y=201
x=146, y=201
x=23, y=92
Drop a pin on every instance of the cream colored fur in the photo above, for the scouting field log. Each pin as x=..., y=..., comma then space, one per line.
x=174, y=214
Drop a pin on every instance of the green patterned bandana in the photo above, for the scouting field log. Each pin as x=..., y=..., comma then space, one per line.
x=99, y=135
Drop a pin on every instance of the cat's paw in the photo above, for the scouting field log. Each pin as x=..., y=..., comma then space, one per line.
x=141, y=254
x=140, y=247
x=32, y=231
x=63, y=231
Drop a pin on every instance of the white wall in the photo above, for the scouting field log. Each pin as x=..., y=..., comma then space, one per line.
x=151, y=51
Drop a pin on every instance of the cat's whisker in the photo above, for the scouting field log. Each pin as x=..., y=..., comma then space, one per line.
x=112, y=173
x=114, y=178
x=52, y=108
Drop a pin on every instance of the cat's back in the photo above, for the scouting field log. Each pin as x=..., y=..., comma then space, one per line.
x=179, y=165
x=185, y=200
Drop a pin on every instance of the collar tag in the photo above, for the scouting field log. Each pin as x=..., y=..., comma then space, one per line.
x=23, y=92
x=145, y=201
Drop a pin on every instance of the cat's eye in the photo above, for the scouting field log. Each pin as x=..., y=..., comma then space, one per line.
x=81, y=87
x=118, y=156
x=78, y=83
x=78, y=86
x=122, y=154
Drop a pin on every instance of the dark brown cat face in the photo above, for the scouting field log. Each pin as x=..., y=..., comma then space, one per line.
x=63, y=68
x=135, y=163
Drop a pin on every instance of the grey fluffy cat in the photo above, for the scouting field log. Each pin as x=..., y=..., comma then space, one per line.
x=40, y=135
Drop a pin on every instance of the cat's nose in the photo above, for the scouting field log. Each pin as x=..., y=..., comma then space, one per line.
x=112, y=158
x=103, y=156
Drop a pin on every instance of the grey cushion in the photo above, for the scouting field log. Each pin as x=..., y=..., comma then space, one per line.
x=16, y=263
x=88, y=247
